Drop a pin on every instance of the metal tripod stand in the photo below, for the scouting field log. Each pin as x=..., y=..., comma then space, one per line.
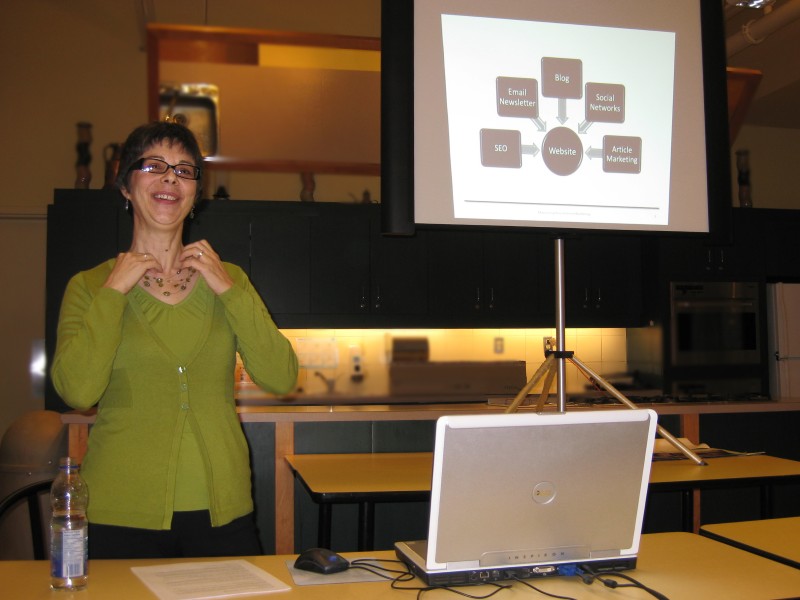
x=554, y=366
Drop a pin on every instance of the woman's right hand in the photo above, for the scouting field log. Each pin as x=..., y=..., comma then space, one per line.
x=130, y=268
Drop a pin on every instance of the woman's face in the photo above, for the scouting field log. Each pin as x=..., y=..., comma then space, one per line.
x=162, y=200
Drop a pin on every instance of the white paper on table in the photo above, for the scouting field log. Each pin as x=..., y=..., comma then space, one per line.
x=213, y=579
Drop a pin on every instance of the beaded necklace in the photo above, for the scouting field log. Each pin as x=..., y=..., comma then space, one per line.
x=177, y=286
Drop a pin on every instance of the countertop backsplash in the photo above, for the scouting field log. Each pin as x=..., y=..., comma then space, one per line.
x=336, y=357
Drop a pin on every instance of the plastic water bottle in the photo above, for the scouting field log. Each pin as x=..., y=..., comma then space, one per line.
x=69, y=537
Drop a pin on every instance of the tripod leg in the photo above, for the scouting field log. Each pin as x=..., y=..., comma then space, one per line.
x=548, y=382
x=543, y=368
x=619, y=396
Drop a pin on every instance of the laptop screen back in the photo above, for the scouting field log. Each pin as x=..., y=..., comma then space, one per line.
x=513, y=489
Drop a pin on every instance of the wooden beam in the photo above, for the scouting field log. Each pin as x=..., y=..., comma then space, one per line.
x=284, y=488
x=742, y=84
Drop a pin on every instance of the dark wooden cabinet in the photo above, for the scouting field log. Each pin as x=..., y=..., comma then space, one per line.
x=507, y=279
x=398, y=276
x=518, y=279
x=360, y=277
x=604, y=281
x=328, y=265
x=455, y=265
x=280, y=261
x=340, y=269
x=226, y=230
x=685, y=259
x=489, y=279
x=698, y=258
x=776, y=233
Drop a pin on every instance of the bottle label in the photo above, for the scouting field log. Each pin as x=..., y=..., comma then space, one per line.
x=72, y=560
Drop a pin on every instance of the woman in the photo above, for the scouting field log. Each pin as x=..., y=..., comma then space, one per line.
x=151, y=338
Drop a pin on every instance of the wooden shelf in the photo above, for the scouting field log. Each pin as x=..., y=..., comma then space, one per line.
x=291, y=166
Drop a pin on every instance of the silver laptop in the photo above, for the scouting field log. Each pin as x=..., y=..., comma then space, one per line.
x=533, y=495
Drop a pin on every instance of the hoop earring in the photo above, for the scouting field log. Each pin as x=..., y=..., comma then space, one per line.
x=127, y=205
x=191, y=212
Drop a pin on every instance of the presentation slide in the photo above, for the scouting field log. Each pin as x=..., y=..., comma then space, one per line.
x=558, y=122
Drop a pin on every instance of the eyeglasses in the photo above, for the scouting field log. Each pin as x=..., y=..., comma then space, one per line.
x=158, y=166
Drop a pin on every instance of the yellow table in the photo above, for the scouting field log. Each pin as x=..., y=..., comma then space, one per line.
x=678, y=565
x=777, y=539
x=285, y=416
x=364, y=479
x=390, y=477
x=730, y=472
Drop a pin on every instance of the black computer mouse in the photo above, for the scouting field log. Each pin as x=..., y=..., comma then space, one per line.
x=321, y=560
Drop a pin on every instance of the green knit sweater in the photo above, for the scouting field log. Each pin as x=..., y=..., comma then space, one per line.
x=109, y=354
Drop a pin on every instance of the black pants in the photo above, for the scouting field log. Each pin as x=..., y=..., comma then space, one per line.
x=191, y=535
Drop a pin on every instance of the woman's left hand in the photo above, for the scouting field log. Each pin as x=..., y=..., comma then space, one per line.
x=201, y=256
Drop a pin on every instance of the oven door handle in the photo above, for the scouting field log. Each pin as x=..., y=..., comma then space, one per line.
x=724, y=304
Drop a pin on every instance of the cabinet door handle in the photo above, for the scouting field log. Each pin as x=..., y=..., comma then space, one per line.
x=364, y=302
x=491, y=298
x=478, y=298
x=599, y=298
x=377, y=297
x=586, y=297
x=721, y=265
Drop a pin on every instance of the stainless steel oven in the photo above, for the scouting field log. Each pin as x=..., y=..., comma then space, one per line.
x=715, y=323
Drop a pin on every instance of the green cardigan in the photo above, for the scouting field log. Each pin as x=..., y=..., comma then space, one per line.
x=107, y=354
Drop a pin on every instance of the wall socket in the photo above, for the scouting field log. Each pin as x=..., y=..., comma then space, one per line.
x=499, y=345
x=356, y=366
x=548, y=344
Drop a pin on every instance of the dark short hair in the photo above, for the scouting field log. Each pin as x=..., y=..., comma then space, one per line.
x=146, y=136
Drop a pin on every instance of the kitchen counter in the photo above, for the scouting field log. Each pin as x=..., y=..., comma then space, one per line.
x=256, y=397
x=250, y=396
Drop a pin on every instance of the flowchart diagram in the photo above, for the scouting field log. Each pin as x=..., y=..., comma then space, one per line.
x=558, y=122
x=561, y=148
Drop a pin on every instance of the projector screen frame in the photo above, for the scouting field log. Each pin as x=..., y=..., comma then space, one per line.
x=397, y=134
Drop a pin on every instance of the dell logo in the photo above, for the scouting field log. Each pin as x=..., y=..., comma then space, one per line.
x=544, y=492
